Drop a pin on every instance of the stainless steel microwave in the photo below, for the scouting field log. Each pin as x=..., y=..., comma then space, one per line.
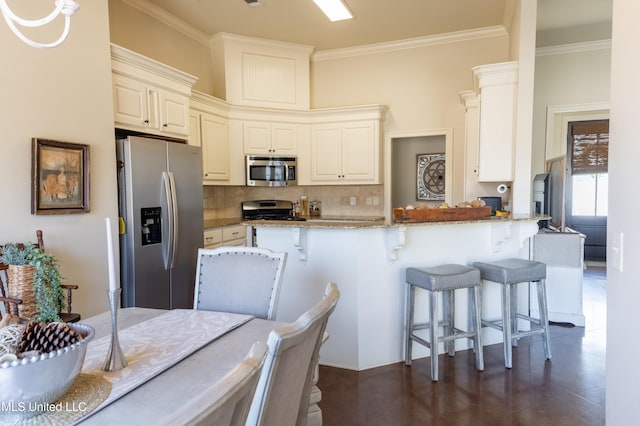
x=266, y=170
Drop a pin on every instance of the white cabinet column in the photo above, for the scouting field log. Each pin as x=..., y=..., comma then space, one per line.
x=496, y=85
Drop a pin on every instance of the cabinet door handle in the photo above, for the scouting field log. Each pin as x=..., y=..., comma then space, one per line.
x=165, y=125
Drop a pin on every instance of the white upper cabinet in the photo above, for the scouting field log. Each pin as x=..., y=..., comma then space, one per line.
x=195, y=137
x=215, y=147
x=496, y=85
x=221, y=161
x=148, y=96
x=345, y=153
x=261, y=73
x=269, y=138
x=347, y=150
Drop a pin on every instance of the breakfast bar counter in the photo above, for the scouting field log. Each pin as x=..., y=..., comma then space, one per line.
x=367, y=260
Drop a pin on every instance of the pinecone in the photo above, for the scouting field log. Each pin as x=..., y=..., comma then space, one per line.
x=47, y=337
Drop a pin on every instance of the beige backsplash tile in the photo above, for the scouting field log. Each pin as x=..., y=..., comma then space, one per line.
x=225, y=201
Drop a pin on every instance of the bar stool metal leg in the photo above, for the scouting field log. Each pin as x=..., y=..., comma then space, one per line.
x=506, y=324
x=410, y=300
x=433, y=333
x=513, y=299
x=476, y=314
x=544, y=317
x=449, y=315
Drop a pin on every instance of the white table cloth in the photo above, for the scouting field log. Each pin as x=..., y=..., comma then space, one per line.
x=153, y=400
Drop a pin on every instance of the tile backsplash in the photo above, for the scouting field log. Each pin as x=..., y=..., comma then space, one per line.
x=225, y=201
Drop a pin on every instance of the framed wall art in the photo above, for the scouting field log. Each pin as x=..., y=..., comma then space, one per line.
x=59, y=177
x=430, y=181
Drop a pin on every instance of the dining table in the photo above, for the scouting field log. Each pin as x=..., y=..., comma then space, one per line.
x=166, y=366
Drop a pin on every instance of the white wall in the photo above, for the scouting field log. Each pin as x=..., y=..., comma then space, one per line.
x=623, y=291
x=137, y=31
x=404, y=167
x=62, y=94
x=523, y=35
x=567, y=77
x=419, y=85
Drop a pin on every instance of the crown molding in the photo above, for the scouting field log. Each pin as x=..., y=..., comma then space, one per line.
x=410, y=43
x=129, y=63
x=254, y=41
x=188, y=30
x=170, y=20
x=564, y=49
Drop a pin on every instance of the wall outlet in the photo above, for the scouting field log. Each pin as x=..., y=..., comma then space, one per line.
x=369, y=201
x=376, y=200
x=352, y=201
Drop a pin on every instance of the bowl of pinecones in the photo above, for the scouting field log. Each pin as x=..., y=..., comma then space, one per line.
x=39, y=362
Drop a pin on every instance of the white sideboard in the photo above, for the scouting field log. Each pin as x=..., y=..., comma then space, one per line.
x=563, y=253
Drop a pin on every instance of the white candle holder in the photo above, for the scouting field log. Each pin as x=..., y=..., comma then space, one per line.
x=115, y=359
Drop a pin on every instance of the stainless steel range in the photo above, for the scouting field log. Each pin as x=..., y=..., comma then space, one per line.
x=268, y=210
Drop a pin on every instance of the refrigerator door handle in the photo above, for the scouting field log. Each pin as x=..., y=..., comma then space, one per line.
x=168, y=245
x=173, y=218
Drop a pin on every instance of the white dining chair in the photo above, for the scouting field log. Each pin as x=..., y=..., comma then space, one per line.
x=244, y=280
x=233, y=395
x=282, y=396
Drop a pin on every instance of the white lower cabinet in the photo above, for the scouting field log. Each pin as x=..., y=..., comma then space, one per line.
x=235, y=235
x=212, y=238
x=232, y=235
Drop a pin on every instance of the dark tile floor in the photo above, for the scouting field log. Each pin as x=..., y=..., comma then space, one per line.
x=568, y=390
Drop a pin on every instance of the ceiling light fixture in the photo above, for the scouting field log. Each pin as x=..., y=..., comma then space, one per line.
x=63, y=7
x=334, y=9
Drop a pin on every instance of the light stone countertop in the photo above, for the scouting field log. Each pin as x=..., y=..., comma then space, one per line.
x=220, y=222
x=364, y=222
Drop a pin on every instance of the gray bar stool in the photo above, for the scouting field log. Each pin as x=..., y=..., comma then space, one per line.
x=509, y=273
x=445, y=279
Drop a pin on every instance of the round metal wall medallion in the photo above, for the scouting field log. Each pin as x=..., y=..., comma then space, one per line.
x=430, y=176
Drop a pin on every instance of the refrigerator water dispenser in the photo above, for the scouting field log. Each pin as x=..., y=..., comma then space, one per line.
x=151, y=225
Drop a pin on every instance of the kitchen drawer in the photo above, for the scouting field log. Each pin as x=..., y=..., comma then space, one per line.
x=230, y=233
x=236, y=243
x=212, y=237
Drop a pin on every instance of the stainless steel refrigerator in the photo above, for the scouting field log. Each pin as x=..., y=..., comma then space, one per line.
x=161, y=204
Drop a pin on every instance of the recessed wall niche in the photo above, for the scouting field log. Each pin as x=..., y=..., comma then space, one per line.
x=404, y=152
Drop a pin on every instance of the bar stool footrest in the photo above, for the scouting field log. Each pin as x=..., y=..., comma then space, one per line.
x=420, y=340
x=426, y=325
x=497, y=324
x=526, y=333
x=457, y=334
x=528, y=318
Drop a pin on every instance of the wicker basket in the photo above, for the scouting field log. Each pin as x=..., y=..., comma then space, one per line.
x=20, y=285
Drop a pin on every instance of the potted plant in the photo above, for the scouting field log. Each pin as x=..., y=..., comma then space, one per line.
x=34, y=276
